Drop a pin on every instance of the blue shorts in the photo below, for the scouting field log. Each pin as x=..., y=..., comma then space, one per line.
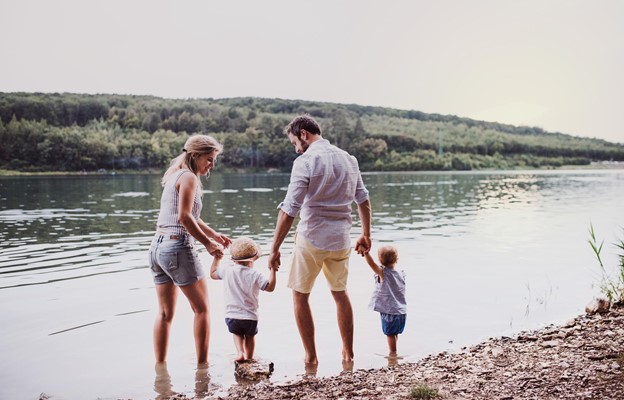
x=174, y=260
x=242, y=327
x=392, y=324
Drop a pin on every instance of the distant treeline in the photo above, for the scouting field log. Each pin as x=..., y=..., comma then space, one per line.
x=76, y=132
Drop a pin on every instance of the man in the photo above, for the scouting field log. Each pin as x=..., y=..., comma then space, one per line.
x=324, y=183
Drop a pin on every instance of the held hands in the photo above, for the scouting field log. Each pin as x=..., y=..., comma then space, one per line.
x=274, y=260
x=363, y=245
x=223, y=240
x=215, y=249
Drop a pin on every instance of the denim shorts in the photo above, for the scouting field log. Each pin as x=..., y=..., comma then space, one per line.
x=172, y=259
x=392, y=324
x=242, y=327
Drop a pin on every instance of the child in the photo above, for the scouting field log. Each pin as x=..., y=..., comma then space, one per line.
x=242, y=285
x=389, y=295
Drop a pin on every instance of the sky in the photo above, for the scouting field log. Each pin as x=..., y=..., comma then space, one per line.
x=554, y=64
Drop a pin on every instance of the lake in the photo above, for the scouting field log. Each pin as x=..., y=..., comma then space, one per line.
x=485, y=253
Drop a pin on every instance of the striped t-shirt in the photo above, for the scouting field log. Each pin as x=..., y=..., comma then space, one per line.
x=168, y=217
x=389, y=294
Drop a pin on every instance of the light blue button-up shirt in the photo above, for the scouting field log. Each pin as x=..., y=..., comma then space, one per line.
x=324, y=183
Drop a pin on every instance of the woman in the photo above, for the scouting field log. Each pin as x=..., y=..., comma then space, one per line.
x=171, y=257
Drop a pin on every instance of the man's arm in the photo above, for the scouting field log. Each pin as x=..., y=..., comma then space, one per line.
x=284, y=223
x=363, y=244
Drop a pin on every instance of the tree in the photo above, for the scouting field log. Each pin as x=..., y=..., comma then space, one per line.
x=339, y=130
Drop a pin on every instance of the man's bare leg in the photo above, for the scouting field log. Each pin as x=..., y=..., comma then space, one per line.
x=305, y=323
x=344, y=313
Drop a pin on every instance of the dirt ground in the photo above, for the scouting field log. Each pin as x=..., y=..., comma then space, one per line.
x=584, y=359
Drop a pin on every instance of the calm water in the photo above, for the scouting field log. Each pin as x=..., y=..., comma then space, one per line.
x=486, y=254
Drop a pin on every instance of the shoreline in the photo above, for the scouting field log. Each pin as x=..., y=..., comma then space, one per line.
x=581, y=359
x=594, y=166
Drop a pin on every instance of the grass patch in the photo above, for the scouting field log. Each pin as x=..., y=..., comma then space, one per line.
x=612, y=285
x=424, y=391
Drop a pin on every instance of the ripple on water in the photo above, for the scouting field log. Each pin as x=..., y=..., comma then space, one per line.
x=71, y=258
x=258, y=190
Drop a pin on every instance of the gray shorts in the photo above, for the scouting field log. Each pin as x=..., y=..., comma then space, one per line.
x=172, y=259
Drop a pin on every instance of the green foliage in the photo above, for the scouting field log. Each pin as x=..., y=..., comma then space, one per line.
x=73, y=132
x=612, y=286
x=423, y=391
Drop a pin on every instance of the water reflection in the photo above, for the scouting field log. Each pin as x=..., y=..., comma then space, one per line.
x=163, y=386
x=311, y=369
x=393, y=360
x=162, y=383
x=202, y=383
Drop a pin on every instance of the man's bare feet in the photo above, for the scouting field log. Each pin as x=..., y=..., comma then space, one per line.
x=310, y=359
x=311, y=369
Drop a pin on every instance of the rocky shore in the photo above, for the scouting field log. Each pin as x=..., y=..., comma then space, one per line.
x=583, y=359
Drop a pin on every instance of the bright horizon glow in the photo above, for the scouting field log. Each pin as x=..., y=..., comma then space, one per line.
x=555, y=64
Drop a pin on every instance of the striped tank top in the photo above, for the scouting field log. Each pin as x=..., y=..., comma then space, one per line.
x=168, y=217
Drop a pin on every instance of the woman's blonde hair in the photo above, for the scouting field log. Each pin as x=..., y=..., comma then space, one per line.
x=194, y=146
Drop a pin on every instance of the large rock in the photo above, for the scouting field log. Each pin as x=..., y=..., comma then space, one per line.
x=253, y=369
x=598, y=306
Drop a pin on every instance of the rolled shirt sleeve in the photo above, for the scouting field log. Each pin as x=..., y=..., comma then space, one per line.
x=361, y=193
x=324, y=183
x=297, y=188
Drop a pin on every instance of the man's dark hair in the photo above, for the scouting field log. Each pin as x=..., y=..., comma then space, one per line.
x=304, y=121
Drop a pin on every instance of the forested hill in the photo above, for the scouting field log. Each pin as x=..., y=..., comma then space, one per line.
x=79, y=132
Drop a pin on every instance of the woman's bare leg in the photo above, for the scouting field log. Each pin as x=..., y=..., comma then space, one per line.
x=197, y=295
x=167, y=296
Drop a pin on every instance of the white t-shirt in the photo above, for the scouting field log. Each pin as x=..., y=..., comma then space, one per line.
x=241, y=288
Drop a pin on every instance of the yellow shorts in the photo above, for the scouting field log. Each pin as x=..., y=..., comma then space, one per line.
x=308, y=261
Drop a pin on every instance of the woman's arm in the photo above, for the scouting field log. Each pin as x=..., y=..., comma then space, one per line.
x=222, y=239
x=187, y=185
